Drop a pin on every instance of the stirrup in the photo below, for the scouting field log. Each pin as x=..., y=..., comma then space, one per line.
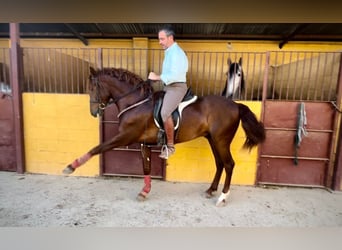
x=166, y=151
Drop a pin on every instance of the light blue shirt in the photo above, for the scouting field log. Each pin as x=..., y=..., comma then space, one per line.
x=175, y=65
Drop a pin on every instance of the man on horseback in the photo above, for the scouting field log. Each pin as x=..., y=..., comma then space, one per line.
x=173, y=76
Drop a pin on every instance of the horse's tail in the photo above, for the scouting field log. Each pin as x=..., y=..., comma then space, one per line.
x=253, y=128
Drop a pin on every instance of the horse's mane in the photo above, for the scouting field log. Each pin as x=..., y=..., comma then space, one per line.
x=122, y=75
x=128, y=76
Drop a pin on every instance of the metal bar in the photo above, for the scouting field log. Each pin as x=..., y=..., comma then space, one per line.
x=288, y=76
x=293, y=129
x=44, y=65
x=197, y=75
x=16, y=81
x=50, y=70
x=78, y=73
x=265, y=82
x=324, y=72
x=302, y=80
x=316, y=80
x=331, y=89
x=295, y=79
x=210, y=67
x=272, y=84
x=55, y=71
x=309, y=79
x=263, y=105
x=282, y=77
x=100, y=58
x=245, y=61
x=289, y=185
x=292, y=157
x=39, y=70
x=261, y=75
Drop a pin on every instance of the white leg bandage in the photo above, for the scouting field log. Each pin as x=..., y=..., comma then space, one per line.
x=223, y=198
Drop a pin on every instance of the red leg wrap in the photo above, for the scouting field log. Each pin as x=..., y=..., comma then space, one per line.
x=147, y=181
x=80, y=161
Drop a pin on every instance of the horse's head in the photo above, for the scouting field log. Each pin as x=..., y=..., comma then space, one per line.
x=235, y=81
x=99, y=96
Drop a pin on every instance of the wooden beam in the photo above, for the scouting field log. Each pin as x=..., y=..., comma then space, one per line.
x=16, y=76
x=335, y=169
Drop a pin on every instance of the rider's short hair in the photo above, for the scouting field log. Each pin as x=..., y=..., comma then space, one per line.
x=169, y=30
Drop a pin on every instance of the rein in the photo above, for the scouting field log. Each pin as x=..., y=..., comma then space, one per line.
x=133, y=106
x=102, y=106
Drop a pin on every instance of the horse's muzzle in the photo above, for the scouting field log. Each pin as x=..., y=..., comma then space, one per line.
x=94, y=110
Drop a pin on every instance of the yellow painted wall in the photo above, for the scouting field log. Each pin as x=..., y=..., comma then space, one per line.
x=194, y=161
x=58, y=128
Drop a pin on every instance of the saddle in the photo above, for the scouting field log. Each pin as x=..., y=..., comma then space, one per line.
x=176, y=114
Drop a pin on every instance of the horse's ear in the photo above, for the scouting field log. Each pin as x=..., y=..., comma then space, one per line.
x=240, y=61
x=229, y=61
x=92, y=70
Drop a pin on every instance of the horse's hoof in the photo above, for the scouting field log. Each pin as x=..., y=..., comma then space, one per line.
x=209, y=194
x=142, y=196
x=221, y=203
x=222, y=200
x=68, y=170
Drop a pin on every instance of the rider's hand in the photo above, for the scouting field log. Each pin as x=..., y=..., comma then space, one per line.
x=153, y=76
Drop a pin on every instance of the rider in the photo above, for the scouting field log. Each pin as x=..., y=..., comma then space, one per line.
x=173, y=76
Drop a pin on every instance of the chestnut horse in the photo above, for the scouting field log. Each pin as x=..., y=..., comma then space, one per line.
x=214, y=117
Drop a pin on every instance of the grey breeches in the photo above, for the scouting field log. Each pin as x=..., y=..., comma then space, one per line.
x=174, y=94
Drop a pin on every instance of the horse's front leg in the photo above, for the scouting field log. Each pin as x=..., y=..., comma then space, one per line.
x=77, y=163
x=146, y=158
x=119, y=140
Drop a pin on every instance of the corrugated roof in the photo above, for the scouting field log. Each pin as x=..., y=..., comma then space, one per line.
x=282, y=32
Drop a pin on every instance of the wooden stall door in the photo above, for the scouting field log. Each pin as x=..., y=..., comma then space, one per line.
x=277, y=165
x=125, y=161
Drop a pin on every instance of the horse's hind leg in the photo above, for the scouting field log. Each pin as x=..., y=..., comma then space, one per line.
x=228, y=166
x=223, y=159
x=146, y=158
x=218, y=173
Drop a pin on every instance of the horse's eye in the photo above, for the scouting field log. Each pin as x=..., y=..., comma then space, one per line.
x=239, y=74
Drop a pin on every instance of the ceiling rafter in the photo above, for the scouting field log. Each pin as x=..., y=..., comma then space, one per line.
x=280, y=32
x=75, y=32
x=296, y=31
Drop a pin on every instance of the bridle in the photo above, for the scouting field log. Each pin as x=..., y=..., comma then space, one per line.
x=102, y=105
